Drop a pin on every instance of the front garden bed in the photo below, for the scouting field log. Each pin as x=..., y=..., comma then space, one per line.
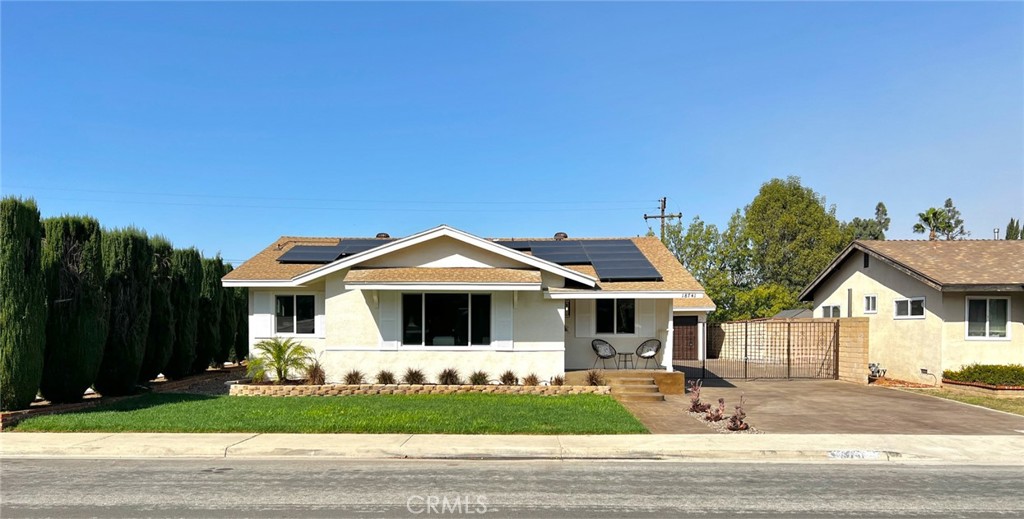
x=407, y=389
x=983, y=389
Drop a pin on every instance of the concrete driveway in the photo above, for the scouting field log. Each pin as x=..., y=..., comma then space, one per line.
x=832, y=407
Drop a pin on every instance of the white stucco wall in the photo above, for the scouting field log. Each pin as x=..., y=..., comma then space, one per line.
x=652, y=323
x=901, y=346
x=958, y=350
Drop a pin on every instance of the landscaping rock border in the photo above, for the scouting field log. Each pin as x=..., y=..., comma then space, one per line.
x=408, y=389
x=978, y=388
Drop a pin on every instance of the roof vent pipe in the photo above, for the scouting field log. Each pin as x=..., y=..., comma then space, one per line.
x=383, y=235
x=561, y=236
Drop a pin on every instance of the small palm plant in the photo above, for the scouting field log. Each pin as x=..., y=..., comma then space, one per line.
x=256, y=369
x=283, y=356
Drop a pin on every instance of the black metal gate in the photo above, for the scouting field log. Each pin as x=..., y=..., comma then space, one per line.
x=803, y=348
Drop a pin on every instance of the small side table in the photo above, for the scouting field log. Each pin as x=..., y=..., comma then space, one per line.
x=626, y=359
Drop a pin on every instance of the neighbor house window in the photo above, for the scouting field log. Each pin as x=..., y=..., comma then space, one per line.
x=911, y=308
x=295, y=314
x=446, y=319
x=615, y=316
x=830, y=311
x=870, y=304
x=988, y=317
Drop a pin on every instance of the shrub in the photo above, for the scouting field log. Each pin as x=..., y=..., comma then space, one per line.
x=449, y=377
x=256, y=369
x=992, y=374
x=414, y=376
x=228, y=320
x=509, y=378
x=716, y=414
x=128, y=269
x=595, y=378
x=736, y=422
x=22, y=303
x=208, y=327
x=385, y=377
x=479, y=378
x=242, y=326
x=282, y=356
x=695, y=404
x=315, y=374
x=160, y=336
x=558, y=380
x=76, y=325
x=531, y=380
x=355, y=377
x=186, y=276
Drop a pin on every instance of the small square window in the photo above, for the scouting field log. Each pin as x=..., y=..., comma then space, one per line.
x=870, y=304
x=988, y=317
x=909, y=308
x=831, y=311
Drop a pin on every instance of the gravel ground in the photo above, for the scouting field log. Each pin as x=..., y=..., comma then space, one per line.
x=210, y=383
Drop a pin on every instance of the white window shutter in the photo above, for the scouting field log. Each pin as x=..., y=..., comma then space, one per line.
x=645, y=318
x=262, y=319
x=390, y=318
x=501, y=318
x=584, y=318
x=320, y=323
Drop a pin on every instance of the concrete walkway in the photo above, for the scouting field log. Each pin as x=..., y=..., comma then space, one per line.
x=986, y=450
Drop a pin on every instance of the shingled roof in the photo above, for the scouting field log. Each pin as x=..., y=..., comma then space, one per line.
x=956, y=265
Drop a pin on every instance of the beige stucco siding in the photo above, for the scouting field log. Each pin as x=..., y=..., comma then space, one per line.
x=958, y=350
x=901, y=346
x=443, y=252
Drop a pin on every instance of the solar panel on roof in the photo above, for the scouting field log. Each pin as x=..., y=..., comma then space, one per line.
x=613, y=259
x=311, y=254
x=519, y=245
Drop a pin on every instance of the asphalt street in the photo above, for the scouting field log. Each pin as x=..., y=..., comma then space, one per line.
x=539, y=488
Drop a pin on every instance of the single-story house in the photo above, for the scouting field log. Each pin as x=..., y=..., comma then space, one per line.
x=444, y=298
x=932, y=305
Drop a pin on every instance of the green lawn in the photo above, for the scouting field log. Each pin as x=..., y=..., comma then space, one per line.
x=440, y=414
x=1010, y=405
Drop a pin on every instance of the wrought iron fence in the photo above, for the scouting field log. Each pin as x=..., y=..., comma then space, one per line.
x=803, y=348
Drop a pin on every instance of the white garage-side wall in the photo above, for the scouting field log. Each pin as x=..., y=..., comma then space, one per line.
x=652, y=322
x=959, y=350
x=901, y=346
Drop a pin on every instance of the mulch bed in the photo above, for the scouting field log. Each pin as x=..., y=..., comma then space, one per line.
x=722, y=425
x=894, y=382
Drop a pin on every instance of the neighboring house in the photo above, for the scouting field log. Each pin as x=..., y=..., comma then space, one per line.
x=794, y=313
x=933, y=305
x=444, y=298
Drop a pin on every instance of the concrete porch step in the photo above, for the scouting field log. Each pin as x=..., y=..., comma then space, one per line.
x=628, y=380
x=639, y=397
x=638, y=388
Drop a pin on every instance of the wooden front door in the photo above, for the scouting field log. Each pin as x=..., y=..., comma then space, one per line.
x=684, y=338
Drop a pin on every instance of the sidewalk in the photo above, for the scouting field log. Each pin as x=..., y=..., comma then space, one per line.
x=975, y=449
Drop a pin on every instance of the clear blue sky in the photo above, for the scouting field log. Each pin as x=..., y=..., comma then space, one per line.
x=226, y=125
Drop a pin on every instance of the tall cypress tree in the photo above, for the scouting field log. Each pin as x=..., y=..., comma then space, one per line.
x=22, y=303
x=160, y=339
x=228, y=322
x=76, y=327
x=187, y=278
x=208, y=333
x=242, y=328
x=128, y=266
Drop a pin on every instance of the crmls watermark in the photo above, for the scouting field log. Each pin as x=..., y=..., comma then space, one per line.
x=440, y=505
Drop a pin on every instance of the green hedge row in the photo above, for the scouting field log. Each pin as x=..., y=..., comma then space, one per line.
x=85, y=307
x=992, y=374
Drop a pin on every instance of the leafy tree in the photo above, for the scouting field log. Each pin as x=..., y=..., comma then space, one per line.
x=762, y=301
x=945, y=222
x=792, y=234
x=22, y=303
x=1013, y=231
x=283, y=356
x=933, y=221
x=208, y=333
x=242, y=328
x=186, y=278
x=871, y=229
x=76, y=325
x=160, y=337
x=228, y=320
x=128, y=266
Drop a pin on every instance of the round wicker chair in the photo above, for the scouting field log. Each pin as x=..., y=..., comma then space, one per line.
x=648, y=350
x=604, y=352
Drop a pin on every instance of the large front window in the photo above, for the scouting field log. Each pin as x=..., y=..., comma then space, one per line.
x=988, y=317
x=295, y=314
x=446, y=319
x=615, y=316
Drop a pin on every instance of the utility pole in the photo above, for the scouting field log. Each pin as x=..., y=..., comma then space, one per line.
x=662, y=216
